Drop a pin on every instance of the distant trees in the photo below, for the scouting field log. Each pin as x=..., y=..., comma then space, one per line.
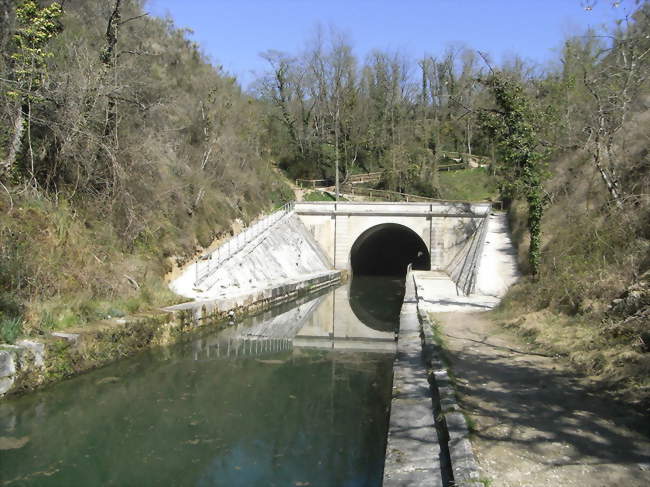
x=316, y=101
x=375, y=115
x=398, y=115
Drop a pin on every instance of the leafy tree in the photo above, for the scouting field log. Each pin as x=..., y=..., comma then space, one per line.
x=513, y=124
x=36, y=27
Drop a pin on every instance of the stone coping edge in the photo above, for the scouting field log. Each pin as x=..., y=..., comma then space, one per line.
x=258, y=300
x=448, y=413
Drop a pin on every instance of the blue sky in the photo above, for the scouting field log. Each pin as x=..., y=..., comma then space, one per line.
x=234, y=32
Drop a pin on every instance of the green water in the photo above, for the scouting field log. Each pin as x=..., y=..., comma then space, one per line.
x=211, y=412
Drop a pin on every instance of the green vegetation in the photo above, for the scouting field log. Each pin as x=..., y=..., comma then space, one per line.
x=318, y=196
x=468, y=184
x=512, y=123
x=10, y=328
x=123, y=152
x=321, y=196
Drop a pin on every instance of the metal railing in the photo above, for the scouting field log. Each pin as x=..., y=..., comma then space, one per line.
x=483, y=160
x=452, y=167
x=208, y=263
x=384, y=194
x=396, y=196
x=235, y=347
x=371, y=177
x=314, y=183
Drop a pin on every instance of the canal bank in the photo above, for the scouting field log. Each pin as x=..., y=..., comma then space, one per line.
x=428, y=438
x=31, y=364
x=269, y=400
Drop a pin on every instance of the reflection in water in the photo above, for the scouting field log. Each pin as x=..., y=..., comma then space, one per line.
x=245, y=407
x=377, y=301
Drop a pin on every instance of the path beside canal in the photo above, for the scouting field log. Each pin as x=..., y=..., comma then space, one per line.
x=535, y=423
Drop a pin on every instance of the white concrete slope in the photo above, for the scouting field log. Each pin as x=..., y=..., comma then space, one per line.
x=498, y=268
x=497, y=271
x=285, y=252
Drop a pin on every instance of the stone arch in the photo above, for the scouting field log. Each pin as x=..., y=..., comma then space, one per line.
x=387, y=249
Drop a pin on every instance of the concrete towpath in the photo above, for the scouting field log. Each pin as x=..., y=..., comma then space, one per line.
x=536, y=423
x=413, y=450
x=496, y=273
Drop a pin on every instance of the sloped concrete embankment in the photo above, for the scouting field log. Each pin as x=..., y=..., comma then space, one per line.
x=428, y=439
x=287, y=251
x=278, y=265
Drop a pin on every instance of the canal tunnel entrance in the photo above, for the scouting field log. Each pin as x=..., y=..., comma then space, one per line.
x=387, y=250
x=379, y=259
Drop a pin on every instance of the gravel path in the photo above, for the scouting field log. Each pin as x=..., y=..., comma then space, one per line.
x=536, y=423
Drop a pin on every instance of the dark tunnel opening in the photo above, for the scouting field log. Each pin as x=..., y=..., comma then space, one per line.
x=387, y=250
x=379, y=259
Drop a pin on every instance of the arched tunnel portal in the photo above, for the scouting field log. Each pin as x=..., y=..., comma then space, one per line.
x=387, y=250
x=383, y=251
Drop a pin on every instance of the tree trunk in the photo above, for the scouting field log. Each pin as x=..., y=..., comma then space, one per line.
x=5, y=29
x=610, y=182
x=17, y=141
x=108, y=59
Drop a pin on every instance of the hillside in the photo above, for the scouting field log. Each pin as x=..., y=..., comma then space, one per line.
x=133, y=152
x=591, y=301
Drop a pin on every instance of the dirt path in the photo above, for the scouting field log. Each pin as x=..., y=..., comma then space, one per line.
x=536, y=423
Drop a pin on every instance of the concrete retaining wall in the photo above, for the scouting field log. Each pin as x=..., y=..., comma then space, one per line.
x=444, y=227
x=256, y=300
x=463, y=268
x=286, y=251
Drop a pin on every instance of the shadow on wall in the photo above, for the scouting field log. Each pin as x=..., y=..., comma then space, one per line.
x=387, y=250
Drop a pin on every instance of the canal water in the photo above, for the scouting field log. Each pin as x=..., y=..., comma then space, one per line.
x=296, y=397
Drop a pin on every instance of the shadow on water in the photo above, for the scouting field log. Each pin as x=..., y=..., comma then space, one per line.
x=379, y=258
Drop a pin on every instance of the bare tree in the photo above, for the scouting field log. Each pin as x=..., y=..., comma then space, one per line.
x=619, y=74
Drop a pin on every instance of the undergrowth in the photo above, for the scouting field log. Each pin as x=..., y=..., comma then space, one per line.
x=594, y=253
x=318, y=196
x=65, y=267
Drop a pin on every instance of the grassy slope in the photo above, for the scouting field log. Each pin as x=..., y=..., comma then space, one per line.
x=594, y=254
x=67, y=266
x=469, y=184
x=98, y=230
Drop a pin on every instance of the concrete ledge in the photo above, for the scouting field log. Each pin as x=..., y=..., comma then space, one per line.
x=439, y=209
x=463, y=462
x=32, y=364
x=258, y=300
x=413, y=446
